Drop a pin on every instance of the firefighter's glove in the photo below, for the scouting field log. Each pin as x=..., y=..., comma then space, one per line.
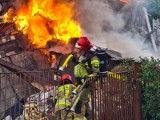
x=82, y=80
x=67, y=109
x=75, y=91
x=61, y=69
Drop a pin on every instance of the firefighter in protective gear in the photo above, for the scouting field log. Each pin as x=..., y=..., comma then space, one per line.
x=64, y=97
x=82, y=108
x=95, y=64
x=90, y=51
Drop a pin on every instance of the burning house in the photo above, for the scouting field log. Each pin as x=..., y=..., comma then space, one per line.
x=35, y=39
x=32, y=36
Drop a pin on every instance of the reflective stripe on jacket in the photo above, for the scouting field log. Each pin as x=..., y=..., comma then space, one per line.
x=61, y=104
x=64, y=96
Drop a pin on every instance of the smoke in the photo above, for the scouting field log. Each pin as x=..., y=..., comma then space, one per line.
x=16, y=4
x=107, y=28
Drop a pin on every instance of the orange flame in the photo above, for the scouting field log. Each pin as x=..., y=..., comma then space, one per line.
x=124, y=1
x=44, y=20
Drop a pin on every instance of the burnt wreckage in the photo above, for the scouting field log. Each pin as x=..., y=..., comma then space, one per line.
x=21, y=66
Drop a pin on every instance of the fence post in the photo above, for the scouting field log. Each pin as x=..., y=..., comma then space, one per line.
x=136, y=97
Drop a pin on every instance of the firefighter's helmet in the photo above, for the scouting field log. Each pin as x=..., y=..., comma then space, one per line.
x=65, y=77
x=84, y=43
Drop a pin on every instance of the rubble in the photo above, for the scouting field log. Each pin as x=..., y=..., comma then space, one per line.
x=39, y=105
x=8, y=118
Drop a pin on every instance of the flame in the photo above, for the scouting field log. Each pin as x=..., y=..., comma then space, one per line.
x=124, y=1
x=51, y=57
x=44, y=20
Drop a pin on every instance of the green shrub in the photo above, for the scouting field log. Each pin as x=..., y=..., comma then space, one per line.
x=150, y=88
x=150, y=85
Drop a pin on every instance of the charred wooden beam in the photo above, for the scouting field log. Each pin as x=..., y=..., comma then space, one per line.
x=11, y=66
x=5, y=26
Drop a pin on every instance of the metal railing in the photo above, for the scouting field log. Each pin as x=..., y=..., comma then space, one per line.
x=26, y=94
x=30, y=95
x=112, y=97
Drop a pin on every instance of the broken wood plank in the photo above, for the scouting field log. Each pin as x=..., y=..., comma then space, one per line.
x=149, y=29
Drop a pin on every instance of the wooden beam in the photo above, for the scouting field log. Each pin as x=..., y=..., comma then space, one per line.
x=150, y=30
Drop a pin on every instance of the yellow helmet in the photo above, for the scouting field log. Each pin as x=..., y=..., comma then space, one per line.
x=95, y=62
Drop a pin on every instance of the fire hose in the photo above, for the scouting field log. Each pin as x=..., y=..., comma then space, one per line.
x=75, y=99
x=60, y=69
x=66, y=62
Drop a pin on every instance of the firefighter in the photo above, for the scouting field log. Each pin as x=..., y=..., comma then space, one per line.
x=91, y=63
x=64, y=97
x=82, y=108
x=95, y=66
x=90, y=50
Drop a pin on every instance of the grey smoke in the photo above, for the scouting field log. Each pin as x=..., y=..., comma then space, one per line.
x=16, y=4
x=105, y=28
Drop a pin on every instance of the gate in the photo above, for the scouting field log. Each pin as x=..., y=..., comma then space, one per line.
x=115, y=97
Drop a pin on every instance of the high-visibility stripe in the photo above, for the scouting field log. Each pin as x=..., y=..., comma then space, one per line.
x=63, y=102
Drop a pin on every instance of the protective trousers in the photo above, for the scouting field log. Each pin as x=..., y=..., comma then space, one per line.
x=62, y=113
x=84, y=112
x=83, y=108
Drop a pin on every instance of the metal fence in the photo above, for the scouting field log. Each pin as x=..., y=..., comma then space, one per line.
x=26, y=95
x=30, y=95
x=112, y=98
